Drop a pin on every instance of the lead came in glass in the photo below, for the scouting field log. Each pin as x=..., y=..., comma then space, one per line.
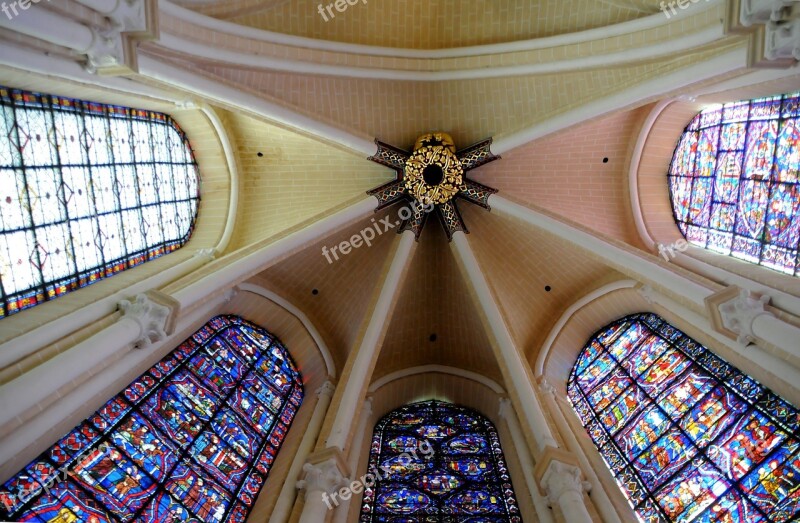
x=687, y=436
x=86, y=190
x=733, y=181
x=461, y=477
x=178, y=444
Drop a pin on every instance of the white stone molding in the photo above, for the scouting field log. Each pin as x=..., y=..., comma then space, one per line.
x=547, y=387
x=324, y=474
x=206, y=254
x=230, y=294
x=647, y=293
x=153, y=316
x=106, y=50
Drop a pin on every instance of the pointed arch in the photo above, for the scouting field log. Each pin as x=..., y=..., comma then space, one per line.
x=435, y=460
x=686, y=435
x=193, y=437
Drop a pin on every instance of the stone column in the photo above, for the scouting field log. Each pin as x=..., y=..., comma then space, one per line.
x=517, y=369
x=354, y=456
x=286, y=498
x=365, y=355
x=562, y=482
x=324, y=474
x=599, y=496
x=526, y=463
x=147, y=319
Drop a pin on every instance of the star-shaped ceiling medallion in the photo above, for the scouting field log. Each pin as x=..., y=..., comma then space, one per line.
x=432, y=178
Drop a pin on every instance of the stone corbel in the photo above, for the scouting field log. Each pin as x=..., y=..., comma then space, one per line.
x=155, y=313
x=555, y=470
x=763, y=11
x=772, y=26
x=324, y=472
x=782, y=41
x=733, y=311
x=113, y=51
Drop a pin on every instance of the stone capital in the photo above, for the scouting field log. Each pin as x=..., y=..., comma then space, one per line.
x=733, y=312
x=506, y=408
x=763, y=11
x=325, y=472
x=154, y=312
x=327, y=389
x=547, y=387
x=551, y=461
x=560, y=478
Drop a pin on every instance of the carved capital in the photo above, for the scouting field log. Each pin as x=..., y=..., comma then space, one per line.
x=562, y=478
x=208, y=254
x=506, y=408
x=107, y=50
x=325, y=471
x=154, y=312
x=782, y=40
x=114, y=46
x=547, y=387
x=763, y=11
x=327, y=389
x=647, y=293
x=734, y=310
x=129, y=16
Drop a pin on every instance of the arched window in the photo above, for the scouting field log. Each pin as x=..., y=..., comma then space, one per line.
x=193, y=438
x=734, y=181
x=86, y=190
x=687, y=436
x=434, y=461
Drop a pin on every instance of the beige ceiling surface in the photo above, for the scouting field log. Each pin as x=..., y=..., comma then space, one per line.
x=345, y=286
x=294, y=179
x=580, y=173
x=397, y=112
x=430, y=24
x=519, y=262
x=435, y=299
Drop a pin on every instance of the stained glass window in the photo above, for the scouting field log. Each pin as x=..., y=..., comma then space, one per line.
x=687, y=436
x=86, y=190
x=193, y=438
x=437, y=462
x=734, y=181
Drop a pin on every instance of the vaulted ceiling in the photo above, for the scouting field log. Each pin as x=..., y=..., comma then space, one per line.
x=564, y=85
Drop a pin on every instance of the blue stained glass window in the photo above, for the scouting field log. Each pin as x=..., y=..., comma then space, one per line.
x=733, y=181
x=192, y=439
x=86, y=190
x=437, y=462
x=687, y=436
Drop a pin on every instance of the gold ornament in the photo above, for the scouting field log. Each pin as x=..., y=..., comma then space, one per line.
x=433, y=173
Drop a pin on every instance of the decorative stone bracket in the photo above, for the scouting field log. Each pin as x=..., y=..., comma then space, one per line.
x=324, y=472
x=733, y=312
x=558, y=471
x=154, y=312
x=113, y=49
x=774, y=28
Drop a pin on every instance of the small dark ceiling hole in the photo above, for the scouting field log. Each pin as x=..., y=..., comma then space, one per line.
x=547, y=288
x=605, y=160
x=314, y=291
x=432, y=337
